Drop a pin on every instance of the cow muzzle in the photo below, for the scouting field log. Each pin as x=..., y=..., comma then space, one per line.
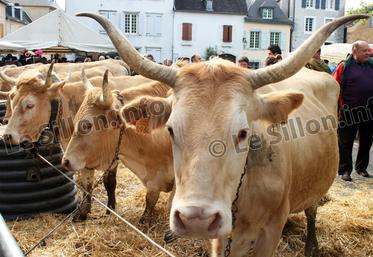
x=196, y=221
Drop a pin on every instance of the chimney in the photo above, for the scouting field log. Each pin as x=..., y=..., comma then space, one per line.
x=209, y=5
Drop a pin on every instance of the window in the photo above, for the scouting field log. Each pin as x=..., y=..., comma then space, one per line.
x=327, y=20
x=154, y=24
x=254, y=39
x=187, y=32
x=254, y=65
x=309, y=24
x=310, y=3
x=111, y=15
x=130, y=23
x=267, y=13
x=330, y=4
x=227, y=33
x=274, y=38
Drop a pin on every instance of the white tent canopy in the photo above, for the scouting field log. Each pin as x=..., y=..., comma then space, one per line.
x=5, y=45
x=57, y=29
x=337, y=52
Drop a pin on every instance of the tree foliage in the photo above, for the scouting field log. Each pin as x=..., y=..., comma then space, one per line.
x=363, y=9
x=210, y=51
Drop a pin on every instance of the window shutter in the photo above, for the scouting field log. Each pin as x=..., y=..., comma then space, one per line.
x=303, y=3
x=187, y=32
x=140, y=23
x=149, y=25
x=190, y=31
x=158, y=25
x=230, y=29
x=337, y=5
x=323, y=4
x=317, y=4
x=264, y=39
x=227, y=33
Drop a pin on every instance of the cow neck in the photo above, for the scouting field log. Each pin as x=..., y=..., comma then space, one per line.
x=55, y=117
x=234, y=209
x=122, y=129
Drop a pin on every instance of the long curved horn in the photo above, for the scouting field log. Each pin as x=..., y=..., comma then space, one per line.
x=107, y=98
x=130, y=55
x=8, y=79
x=48, y=80
x=4, y=94
x=292, y=64
x=87, y=84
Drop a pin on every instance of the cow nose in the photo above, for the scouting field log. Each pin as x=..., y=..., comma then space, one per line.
x=66, y=163
x=196, y=221
x=7, y=137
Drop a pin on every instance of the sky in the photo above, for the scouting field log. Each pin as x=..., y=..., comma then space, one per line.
x=349, y=3
x=356, y=3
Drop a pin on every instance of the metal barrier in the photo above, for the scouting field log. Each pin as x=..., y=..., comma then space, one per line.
x=8, y=245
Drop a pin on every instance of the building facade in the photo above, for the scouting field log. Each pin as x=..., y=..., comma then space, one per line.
x=201, y=25
x=3, y=5
x=16, y=17
x=265, y=25
x=148, y=24
x=309, y=15
x=36, y=8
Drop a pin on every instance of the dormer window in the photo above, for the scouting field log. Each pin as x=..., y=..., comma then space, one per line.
x=208, y=6
x=267, y=13
x=310, y=4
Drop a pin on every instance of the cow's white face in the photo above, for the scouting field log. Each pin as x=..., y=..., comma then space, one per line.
x=208, y=162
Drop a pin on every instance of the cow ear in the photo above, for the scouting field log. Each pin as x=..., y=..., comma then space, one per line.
x=55, y=87
x=147, y=112
x=275, y=107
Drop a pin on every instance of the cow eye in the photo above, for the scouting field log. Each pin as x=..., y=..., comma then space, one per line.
x=171, y=131
x=242, y=134
x=29, y=106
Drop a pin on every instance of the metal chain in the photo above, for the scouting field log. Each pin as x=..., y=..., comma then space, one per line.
x=122, y=128
x=234, y=211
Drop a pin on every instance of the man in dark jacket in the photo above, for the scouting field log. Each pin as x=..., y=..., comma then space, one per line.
x=355, y=76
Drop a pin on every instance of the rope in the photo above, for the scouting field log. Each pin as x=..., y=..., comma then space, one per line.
x=42, y=241
x=110, y=210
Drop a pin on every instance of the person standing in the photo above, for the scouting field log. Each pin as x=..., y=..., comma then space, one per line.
x=196, y=58
x=275, y=51
x=244, y=62
x=317, y=64
x=355, y=76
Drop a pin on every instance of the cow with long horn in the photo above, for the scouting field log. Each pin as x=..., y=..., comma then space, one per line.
x=239, y=172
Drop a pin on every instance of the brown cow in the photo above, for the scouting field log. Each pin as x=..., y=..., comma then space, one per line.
x=69, y=72
x=224, y=132
x=31, y=107
x=148, y=156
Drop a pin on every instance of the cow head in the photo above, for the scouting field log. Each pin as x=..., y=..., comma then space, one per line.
x=8, y=96
x=213, y=105
x=30, y=104
x=95, y=122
